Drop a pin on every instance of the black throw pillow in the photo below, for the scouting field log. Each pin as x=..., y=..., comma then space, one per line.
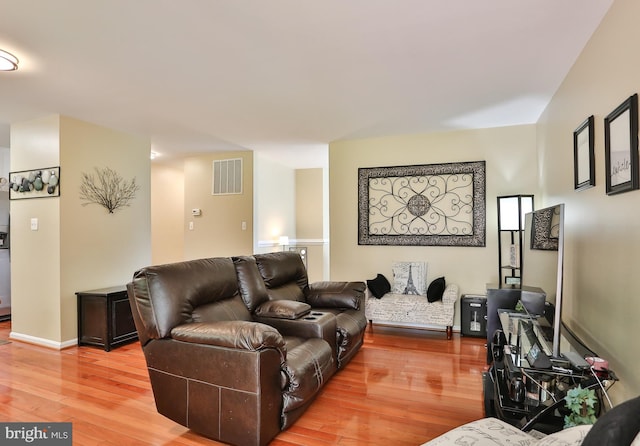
x=436, y=289
x=379, y=286
x=619, y=426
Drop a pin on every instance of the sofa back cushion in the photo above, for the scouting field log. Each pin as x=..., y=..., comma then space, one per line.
x=250, y=283
x=203, y=290
x=284, y=275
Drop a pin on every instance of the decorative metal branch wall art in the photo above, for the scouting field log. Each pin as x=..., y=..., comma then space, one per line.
x=108, y=189
x=422, y=205
x=37, y=183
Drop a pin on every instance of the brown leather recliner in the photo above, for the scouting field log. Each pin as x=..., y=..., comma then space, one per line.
x=285, y=279
x=213, y=369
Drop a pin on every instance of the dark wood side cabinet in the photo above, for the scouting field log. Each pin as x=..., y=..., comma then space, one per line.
x=104, y=318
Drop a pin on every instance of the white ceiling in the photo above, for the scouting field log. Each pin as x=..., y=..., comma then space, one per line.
x=286, y=77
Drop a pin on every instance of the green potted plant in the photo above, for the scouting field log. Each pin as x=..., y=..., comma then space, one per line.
x=581, y=404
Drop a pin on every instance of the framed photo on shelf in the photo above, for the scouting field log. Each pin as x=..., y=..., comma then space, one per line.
x=621, y=147
x=584, y=170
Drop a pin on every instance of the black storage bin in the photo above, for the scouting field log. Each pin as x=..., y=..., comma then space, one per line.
x=473, y=315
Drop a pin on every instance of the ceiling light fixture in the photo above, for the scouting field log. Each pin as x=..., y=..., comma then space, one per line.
x=8, y=62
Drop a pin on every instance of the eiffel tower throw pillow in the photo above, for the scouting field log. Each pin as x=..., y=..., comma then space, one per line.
x=409, y=278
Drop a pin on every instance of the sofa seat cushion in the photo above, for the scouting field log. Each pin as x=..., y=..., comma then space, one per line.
x=309, y=365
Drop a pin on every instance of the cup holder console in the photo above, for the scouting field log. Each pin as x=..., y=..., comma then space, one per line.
x=313, y=316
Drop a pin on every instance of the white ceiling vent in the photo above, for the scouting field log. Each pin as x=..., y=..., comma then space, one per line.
x=227, y=177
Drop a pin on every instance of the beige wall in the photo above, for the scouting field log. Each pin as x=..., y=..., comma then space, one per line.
x=274, y=205
x=309, y=207
x=510, y=157
x=167, y=212
x=287, y=202
x=602, y=293
x=36, y=304
x=76, y=247
x=218, y=231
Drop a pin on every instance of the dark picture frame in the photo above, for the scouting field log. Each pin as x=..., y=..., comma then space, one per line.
x=584, y=170
x=545, y=229
x=36, y=183
x=621, y=147
x=423, y=205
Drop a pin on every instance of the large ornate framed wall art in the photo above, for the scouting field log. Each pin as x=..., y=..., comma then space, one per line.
x=423, y=205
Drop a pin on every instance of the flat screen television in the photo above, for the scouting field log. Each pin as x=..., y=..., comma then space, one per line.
x=543, y=260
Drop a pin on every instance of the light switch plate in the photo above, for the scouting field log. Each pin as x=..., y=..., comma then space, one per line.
x=34, y=224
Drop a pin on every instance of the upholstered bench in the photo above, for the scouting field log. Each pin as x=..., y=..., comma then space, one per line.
x=494, y=432
x=406, y=309
x=617, y=427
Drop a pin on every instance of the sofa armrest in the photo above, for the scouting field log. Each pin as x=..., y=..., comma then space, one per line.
x=313, y=325
x=335, y=294
x=450, y=294
x=282, y=309
x=243, y=335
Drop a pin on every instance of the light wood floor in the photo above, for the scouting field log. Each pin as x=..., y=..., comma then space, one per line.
x=403, y=388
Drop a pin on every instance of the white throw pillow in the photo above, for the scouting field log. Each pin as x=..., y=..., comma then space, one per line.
x=409, y=278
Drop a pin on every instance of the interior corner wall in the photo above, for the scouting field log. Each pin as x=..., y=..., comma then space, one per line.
x=274, y=206
x=167, y=212
x=35, y=255
x=510, y=155
x=601, y=290
x=76, y=247
x=310, y=211
x=5, y=258
x=218, y=231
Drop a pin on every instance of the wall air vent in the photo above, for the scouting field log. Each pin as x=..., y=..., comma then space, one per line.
x=227, y=177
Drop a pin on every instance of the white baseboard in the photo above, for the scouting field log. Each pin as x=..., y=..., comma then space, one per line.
x=43, y=342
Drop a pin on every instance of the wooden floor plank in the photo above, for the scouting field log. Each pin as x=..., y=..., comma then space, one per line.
x=404, y=387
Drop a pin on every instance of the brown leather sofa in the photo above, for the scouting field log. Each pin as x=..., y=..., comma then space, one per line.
x=285, y=278
x=213, y=367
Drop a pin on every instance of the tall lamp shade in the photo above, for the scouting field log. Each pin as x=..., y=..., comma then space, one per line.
x=512, y=210
x=8, y=62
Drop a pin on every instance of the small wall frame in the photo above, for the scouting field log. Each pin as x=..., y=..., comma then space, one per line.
x=584, y=173
x=621, y=147
x=36, y=183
